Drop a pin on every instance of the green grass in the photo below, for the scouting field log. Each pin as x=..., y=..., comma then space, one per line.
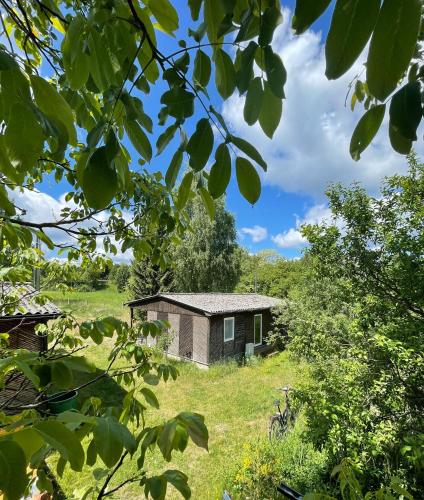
x=236, y=402
x=91, y=305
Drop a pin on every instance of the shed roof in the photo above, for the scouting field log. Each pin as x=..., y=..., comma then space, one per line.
x=23, y=295
x=213, y=303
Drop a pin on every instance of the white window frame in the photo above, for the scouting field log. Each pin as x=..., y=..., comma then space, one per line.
x=232, y=319
x=254, y=323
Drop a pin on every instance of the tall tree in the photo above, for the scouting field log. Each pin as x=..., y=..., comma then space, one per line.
x=208, y=257
x=267, y=272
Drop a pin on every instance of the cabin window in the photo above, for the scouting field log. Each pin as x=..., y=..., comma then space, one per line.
x=258, y=329
x=228, y=329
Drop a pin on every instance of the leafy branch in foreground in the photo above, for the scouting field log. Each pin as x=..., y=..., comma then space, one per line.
x=97, y=433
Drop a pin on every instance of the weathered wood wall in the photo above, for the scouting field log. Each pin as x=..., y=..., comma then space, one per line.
x=243, y=334
x=189, y=331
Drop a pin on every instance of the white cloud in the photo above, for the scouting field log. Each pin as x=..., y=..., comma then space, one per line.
x=310, y=148
x=41, y=207
x=292, y=238
x=289, y=239
x=257, y=233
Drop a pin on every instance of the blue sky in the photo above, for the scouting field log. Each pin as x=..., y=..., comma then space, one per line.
x=310, y=149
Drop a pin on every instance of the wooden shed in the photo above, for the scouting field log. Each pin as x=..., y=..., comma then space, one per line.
x=207, y=327
x=20, y=313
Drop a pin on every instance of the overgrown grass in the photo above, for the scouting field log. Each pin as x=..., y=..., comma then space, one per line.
x=90, y=305
x=236, y=402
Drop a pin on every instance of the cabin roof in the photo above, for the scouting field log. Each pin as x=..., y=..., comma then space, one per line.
x=213, y=303
x=22, y=300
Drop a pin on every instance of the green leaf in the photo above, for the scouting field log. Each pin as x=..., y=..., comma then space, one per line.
x=179, y=102
x=13, y=478
x=195, y=8
x=99, y=182
x=399, y=143
x=23, y=138
x=75, y=60
x=351, y=27
x=6, y=61
x=29, y=440
x=52, y=103
x=95, y=134
x=270, y=113
x=307, y=12
x=271, y=18
x=60, y=438
x=111, y=437
x=5, y=203
x=275, y=72
x=207, y=202
x=202, y=68
x=178, y=481
x=184, y=191
x=392, y=45
x=365, y=130
x=249, y=149
x=225, y=75
x=139, y=139
x=245, y=72
x=174, y=168
x=248, y=180
x=406, y=110
x=253, y=103
x=156, y=486
x=150, y=397
x=165, y=14
x=61, y=375
x=200, y=145
x=213, y=15
x=220, y=173
x=196, y=427
x=165, y=138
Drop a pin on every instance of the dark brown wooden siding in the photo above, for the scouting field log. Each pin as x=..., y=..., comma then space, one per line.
x=185, y=344
x=243, y=334
x=22, y=334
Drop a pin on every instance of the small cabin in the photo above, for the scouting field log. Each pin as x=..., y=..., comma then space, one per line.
x=19, y=315
x=207, y=327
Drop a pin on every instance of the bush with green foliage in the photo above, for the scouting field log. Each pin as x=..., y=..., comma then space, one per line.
x=268, y=273
x=120, y=275
x=264, y=464
x=358, y=319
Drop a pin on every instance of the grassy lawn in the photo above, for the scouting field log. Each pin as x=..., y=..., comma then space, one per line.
x=90, y=305
x=236, y=402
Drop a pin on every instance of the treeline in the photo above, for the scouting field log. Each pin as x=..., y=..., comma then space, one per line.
x=207, y=259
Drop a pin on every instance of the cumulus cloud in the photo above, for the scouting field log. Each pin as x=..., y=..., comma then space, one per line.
x=310, y=148
x=292, y=238
x=257, y=233
x=42, y=207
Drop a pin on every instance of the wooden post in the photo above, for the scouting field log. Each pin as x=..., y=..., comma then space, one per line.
x=131, y=316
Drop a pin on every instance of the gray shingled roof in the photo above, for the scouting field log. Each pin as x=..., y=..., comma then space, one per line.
x=25, y=303
x=215, y=303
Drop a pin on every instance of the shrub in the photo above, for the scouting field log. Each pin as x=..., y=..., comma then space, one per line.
x=263, y=465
